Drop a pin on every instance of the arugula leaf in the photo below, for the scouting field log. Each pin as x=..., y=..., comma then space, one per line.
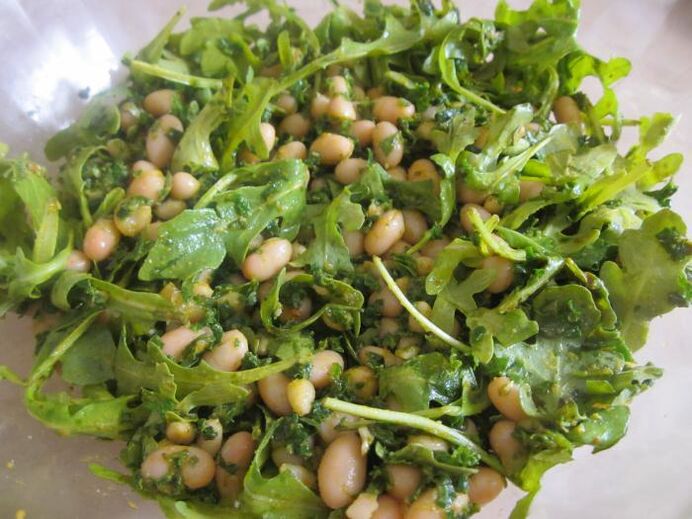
x=189, y=243
x=90, y=360
x=194, y=152
x=328, y=250
x=650, y=281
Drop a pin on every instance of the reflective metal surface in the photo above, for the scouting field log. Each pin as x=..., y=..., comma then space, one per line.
x=52, y=49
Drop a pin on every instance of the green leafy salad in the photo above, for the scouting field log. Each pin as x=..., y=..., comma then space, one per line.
x=377, y=269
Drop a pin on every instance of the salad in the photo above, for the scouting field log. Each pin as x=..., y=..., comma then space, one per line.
x=377, y=269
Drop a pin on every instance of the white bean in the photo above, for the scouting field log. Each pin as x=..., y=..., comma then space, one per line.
x=197, y=467
x=566, y=110
x=363, y=381
x=386, y=231
x=485, y=485
x=334, y=426
x=348, y=171
x=387, y=144
x=301, y=395
x=354, y=241
x=403, y=480
x=228, y=355
x=469, y=195
x=464, y=216
x=159, y=102
x=175, y=341
x=391, y=109
x=341, y=109
x=169, y=209
x=263, y=264
x=415, y=225
x=239, y=449
x=159, y=146
x=332, y=148
x=425, y=309
x=364, y=506
x=338, y=86
x=101, y=240
x=287, y=103
x=134, y=221
x=529, y=189
x=342, y=471
x=388, y=508
x=424, y=169
x=268, y=133
x=429, y=442
x=272, y=390
x=184, y=186
x=210, y=436
x=362, y=131
x=504, y=273
x=322, y=363
x=147, y=183
x=319, y=106
x=292, y=150
x=78, y=262
x=433, y=248
x=505, y=396
x=229, y=485
x=296, y=125
x=503, y=442
x=181, y=433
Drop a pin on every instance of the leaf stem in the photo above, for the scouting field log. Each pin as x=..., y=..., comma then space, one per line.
x=415, y=422
x=426, y=323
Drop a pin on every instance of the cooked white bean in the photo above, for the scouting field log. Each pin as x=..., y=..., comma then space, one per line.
x=296, y=125
x=159, y=102
x=268, y=133
x=362, y=131
x=287, y=103
x=386, y=231
x=129, y=116
x=338, y=86
x=485, y=485
x=141, y=166
x=504, y=395
x=229, y=485
x=388, y=508
x=368, y=352
x=298, y=313
x=363, y=381
x=266, y=262
x=504, y=273
x=181, y=433
x=566, y=111
x=403, y=480
x=348, y=171
x=184, y=186
x=469, y=195
x=334, y=425
x=247, y=157
x=529, y=189
x=425, y=507
x=391, y=307
x=159, y=146
x=425, y=129
x=342, y=471
x=363, y=507
x=292, y=150
x=398, y=173
x=239, y=449
x=424, y=169
x=341, y=109
x=354, y=242
x=228, y=356
x=175, y=341
x=101, y=240
x=503, y=442
x=387, y=144
x=415, y=225
x=147, y=183
x=134, y=221
x=375, y=92
x=332, y=148
x=423, y=308
x=78, y=262
x=493, y=205
x=464, y=216
x=197, y=467
x=281, y=455
x=300, y=473
x=391, y=109
x=272, y=390
x=210, y=436
x=433, y=248
x=429, y=442
x=301, y=396
x=319, y=106
x=424, y=264
x=169, y=209
x=322, y=363
x=389, y=326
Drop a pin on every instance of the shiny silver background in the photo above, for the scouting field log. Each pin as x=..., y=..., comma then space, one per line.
x=52, y=49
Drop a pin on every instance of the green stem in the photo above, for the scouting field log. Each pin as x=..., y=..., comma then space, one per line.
x=214, y=190
x=415, y=422
x=535, y=283
x=175, y=77
x=425, y=323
